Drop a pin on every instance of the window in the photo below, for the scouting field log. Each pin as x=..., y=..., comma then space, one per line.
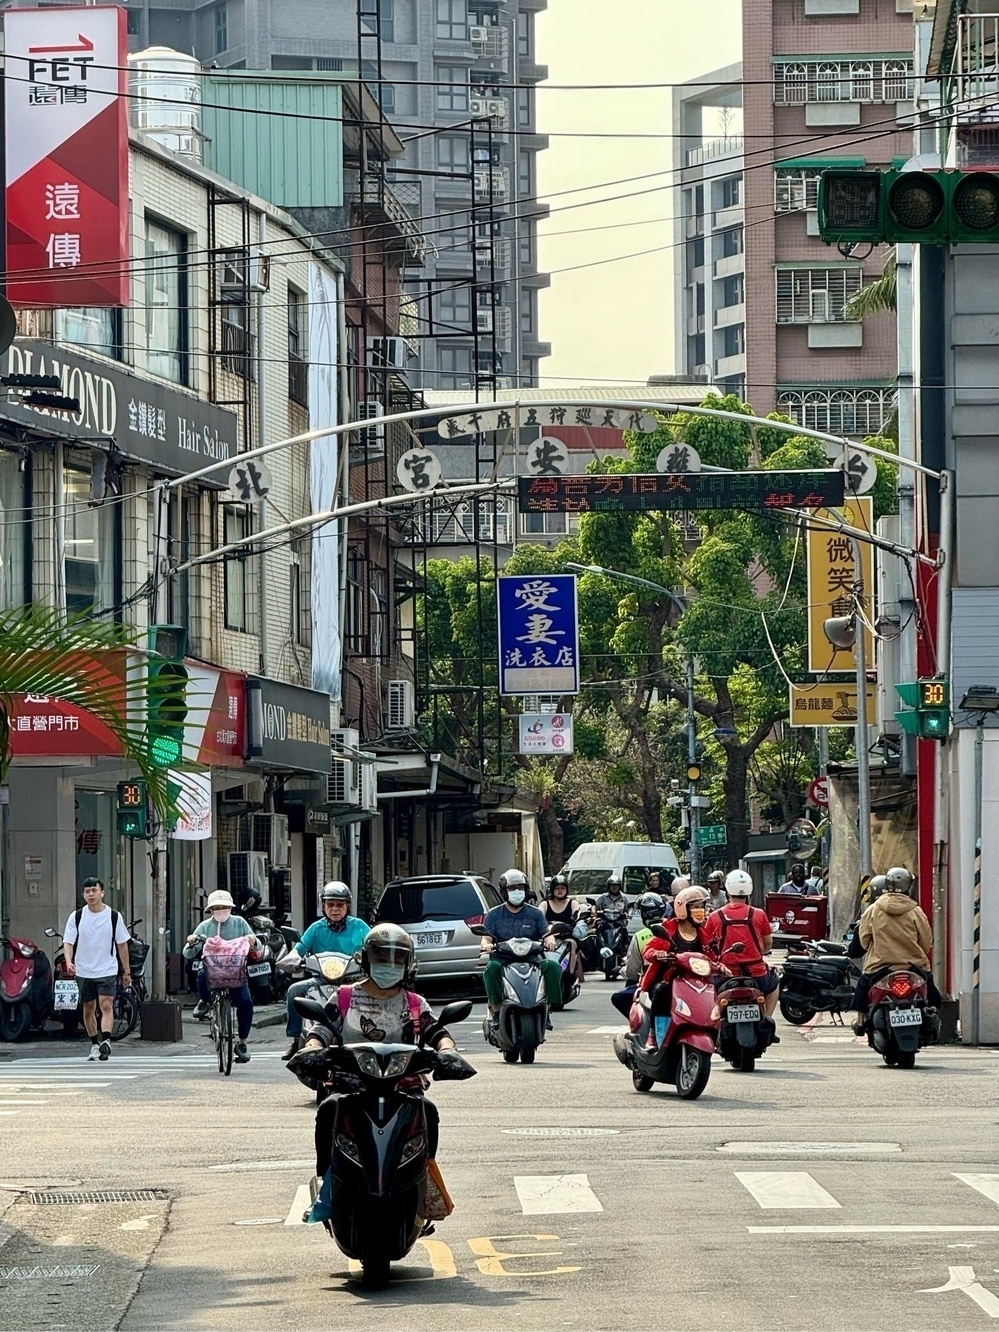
x=454, y=308
x=452, y=20
x=791, y=84
x=547, y=524
x=298, y=365
x=329, y=64
x=239, y=345
x=525, y=175
x=526, y=247
x=827, y=84
x=353, y=620
x=14, y=530
x=452, y=154
x=132, y=22
x=94, y=327
x=455, y=367
x=862, y=81
x=236, y=526
x=455, y=232
x=385, y=26
x=92, y=558
x=525, y=107
x=383, y=92
x=796, y=82
x=734, y=290
x=527, y=320
x=735, y=340
x=525, y=34
x=732, y=192
x=221, y=28
x=452, y=87
x=854, y=412
x=295, y=599
x=807, y=295
x=699, y=298
x=795, y=189
x=732, y=242
x=897, y=81
x=166, y=303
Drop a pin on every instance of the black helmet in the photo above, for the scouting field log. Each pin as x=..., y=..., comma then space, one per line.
x=335, y=892
x=557, y=880
x=513, y=878
x=389, y=945
x=651, y=908
x=614, y=881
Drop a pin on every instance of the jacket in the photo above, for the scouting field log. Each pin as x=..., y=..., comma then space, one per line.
x=894, y=930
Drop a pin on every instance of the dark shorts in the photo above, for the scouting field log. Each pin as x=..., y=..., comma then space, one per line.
x=90, y=989
x=769, y=982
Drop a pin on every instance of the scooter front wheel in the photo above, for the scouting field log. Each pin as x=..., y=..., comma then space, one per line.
x=376, y=1268
x=745, y=1061
x=692, y=1072
x=15, y=1022
x=641, y=1083
x=511, y=1056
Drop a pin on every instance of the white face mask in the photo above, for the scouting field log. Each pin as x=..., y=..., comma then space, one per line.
x=386, y=975
x=221, y=914
x=516, y=897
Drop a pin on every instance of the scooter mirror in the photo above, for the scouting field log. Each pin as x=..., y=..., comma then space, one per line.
x=659, y=932
x=478, y=929
x=50, y=933
x=308, y=1008
x=456, y=1012
x=737, y=948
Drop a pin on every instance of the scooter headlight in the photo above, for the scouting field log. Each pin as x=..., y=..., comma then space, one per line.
x=700, y=966
x=367, y=1062
x=412, y=1148
x=348, y=1147
x=397, y=1064
x=520, y=947
x=681, y=1007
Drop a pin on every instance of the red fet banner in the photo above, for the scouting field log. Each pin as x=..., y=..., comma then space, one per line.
x=66, y=132
x=47, y=727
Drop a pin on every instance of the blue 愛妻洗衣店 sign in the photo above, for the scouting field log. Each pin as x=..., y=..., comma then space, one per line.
x=538, y=634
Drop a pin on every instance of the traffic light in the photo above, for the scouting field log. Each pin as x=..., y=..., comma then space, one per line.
x=919, y=207
x=930, y=699
x=132, y=816
x=166, y=705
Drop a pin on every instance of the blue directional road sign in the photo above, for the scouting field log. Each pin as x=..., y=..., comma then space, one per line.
x=538, y=634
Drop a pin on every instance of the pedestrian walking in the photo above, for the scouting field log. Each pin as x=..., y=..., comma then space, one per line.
x=96, y=941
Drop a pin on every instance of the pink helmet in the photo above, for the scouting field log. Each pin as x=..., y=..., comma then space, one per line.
x=687, y=898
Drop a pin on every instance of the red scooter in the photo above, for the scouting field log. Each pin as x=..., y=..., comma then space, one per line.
x=682, y=1043
x=26, y=989
x=900, y=1021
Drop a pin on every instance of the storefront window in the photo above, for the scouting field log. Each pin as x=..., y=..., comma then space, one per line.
x=14, y=529
x=91, y=564
x=97, y=845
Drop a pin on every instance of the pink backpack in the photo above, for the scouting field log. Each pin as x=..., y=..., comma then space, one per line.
x=345, y=993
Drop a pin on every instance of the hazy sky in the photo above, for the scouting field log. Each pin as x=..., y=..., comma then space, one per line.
x=614, y=321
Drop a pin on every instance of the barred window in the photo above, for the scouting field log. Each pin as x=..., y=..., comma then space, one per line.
x=796, y=82
x=815, y=295
x=854, y=412
x=795, y=189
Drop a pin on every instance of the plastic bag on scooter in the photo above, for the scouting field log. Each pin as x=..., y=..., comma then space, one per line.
x=322, y=1209
x=439, y=1204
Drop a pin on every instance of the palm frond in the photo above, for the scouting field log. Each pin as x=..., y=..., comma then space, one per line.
x=878, y=296
x=84, y=662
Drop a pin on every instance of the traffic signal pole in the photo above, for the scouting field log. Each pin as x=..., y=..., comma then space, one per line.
x=693, y=812
x=863, y=756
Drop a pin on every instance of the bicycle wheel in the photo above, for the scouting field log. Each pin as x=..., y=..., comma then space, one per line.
x=126, y=1014
x=224, y=1040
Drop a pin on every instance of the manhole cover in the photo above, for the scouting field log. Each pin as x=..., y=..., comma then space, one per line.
x=97, y=1196
x=561, y=1132
x=40, y=1273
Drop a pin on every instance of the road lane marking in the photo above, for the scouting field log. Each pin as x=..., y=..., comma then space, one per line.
x=261, y=1221
x=963, y=1279
x=808, y=1148
x=302, y=1203
x=785, y=1189
x=871, y=1230
x=608, y=1031
x=262, y=1165
x=988, y=1185
x=541, y=1195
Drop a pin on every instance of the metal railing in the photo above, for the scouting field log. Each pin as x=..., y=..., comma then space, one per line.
x=976, y=56
x=715, y=148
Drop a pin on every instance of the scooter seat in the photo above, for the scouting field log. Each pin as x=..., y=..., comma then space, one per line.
x=832, y=948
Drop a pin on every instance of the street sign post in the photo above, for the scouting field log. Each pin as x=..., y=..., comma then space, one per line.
x=683, y=491
x=538, y=634
x=714, y=834
x=817, y=794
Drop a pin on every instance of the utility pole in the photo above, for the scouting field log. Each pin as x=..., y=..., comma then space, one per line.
x=693, y=810
x=863, y=757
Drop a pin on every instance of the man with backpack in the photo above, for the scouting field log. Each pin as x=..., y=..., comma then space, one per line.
x=95, y=941
x=741, y=923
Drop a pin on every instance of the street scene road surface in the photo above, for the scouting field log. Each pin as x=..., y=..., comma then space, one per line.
x=823, y=1191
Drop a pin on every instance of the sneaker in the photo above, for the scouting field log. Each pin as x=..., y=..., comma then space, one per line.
x=292, y=1049
x=93, y=1055
x=548, y=1024
x=859, y=1028
x=201, y=1010
x=104, y=1050
x=242, y=1054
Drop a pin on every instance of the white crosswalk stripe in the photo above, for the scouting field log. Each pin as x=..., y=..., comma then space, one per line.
x=787, y=1190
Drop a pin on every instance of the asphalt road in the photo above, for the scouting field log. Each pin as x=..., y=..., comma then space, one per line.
x=822, y=1192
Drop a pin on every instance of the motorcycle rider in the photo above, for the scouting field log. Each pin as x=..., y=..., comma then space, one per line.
x=336, y=931
x=894, y=932
x=651, y=908
x=613, y=902
x=687, y=933
x=717, y=896
x=514, y=920
x=561, y=909
x=741, y=922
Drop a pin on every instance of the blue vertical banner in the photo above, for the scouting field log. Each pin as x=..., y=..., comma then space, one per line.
x=538, y=634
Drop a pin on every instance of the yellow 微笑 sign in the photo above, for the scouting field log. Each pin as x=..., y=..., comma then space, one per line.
x=832, y=575
x=829, y=705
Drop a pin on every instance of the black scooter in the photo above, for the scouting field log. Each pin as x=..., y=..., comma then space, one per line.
x=817, y=978
x=523, y=1015
x=746, y=1032
x=563, y=956
x=377, y=1183
x=612, y=939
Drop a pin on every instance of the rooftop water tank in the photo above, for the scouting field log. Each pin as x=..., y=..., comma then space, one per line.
x=165, y=102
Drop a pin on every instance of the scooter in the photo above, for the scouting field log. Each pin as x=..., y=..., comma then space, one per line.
x=26, y=989
x=899, y=1020
x=612, y=939
x=684, y=1042
x=523, y=1015
x=375, y=1194
x=746, y=1032
x=328, y=971
x=817, y=978
x=563, y=956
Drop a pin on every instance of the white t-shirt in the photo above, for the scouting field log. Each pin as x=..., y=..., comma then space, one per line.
x=93, y=955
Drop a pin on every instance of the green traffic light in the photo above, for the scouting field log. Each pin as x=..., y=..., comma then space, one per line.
x=934, y=725
x=164, y=750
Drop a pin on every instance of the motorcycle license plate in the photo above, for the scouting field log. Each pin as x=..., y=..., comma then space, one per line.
x=258, y=969
x=905, y=1017
x=67, y=996
x=429, y=940
x=743, y=1013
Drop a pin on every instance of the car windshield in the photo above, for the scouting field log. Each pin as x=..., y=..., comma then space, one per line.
x=407, y=903
x=588, y=882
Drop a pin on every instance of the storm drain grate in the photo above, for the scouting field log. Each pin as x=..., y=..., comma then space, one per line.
x=40, y=1273
x=97, y=1196
x=561, y=1132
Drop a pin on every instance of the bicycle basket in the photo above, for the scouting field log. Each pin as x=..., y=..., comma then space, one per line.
x=225, y=962
x=137, y=954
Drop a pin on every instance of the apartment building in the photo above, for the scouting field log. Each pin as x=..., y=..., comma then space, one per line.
x=709, y=230
x=827, y=83
x=458, y=79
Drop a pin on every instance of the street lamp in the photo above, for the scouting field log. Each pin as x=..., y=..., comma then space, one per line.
x=980, y=700
x=679, y=605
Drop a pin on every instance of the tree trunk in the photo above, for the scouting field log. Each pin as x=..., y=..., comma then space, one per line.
x=736, y=786
x=551, y=826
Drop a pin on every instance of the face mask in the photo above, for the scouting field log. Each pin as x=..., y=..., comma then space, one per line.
x=386, y=975
x=697, y=916
x=221, y=913
x=516, y=897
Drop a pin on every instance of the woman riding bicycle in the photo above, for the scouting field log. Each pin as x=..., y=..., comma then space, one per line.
x=223, y=925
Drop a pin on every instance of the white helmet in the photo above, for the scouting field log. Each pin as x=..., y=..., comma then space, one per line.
x=739, y=884
x=678, y=885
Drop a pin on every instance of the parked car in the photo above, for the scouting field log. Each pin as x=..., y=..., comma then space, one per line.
x=590, y=865
x=438, y=910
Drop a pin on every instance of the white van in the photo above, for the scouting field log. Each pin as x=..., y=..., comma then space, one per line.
x=591, y=864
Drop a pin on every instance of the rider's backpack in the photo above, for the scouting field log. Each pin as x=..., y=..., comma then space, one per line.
x=740, y=930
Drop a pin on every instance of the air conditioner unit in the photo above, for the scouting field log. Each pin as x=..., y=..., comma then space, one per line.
x=341, y=785
x=387, y=353
x=345, y=741
x=270, y=835
x=401, y=706
x=240, y=271
x=488, y=106
x=369, y=787
x=478, y=35
x=247, y=875
x=371, y=438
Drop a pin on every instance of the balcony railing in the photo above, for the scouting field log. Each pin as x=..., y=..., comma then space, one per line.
x=715, y=148
x=976, y=56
